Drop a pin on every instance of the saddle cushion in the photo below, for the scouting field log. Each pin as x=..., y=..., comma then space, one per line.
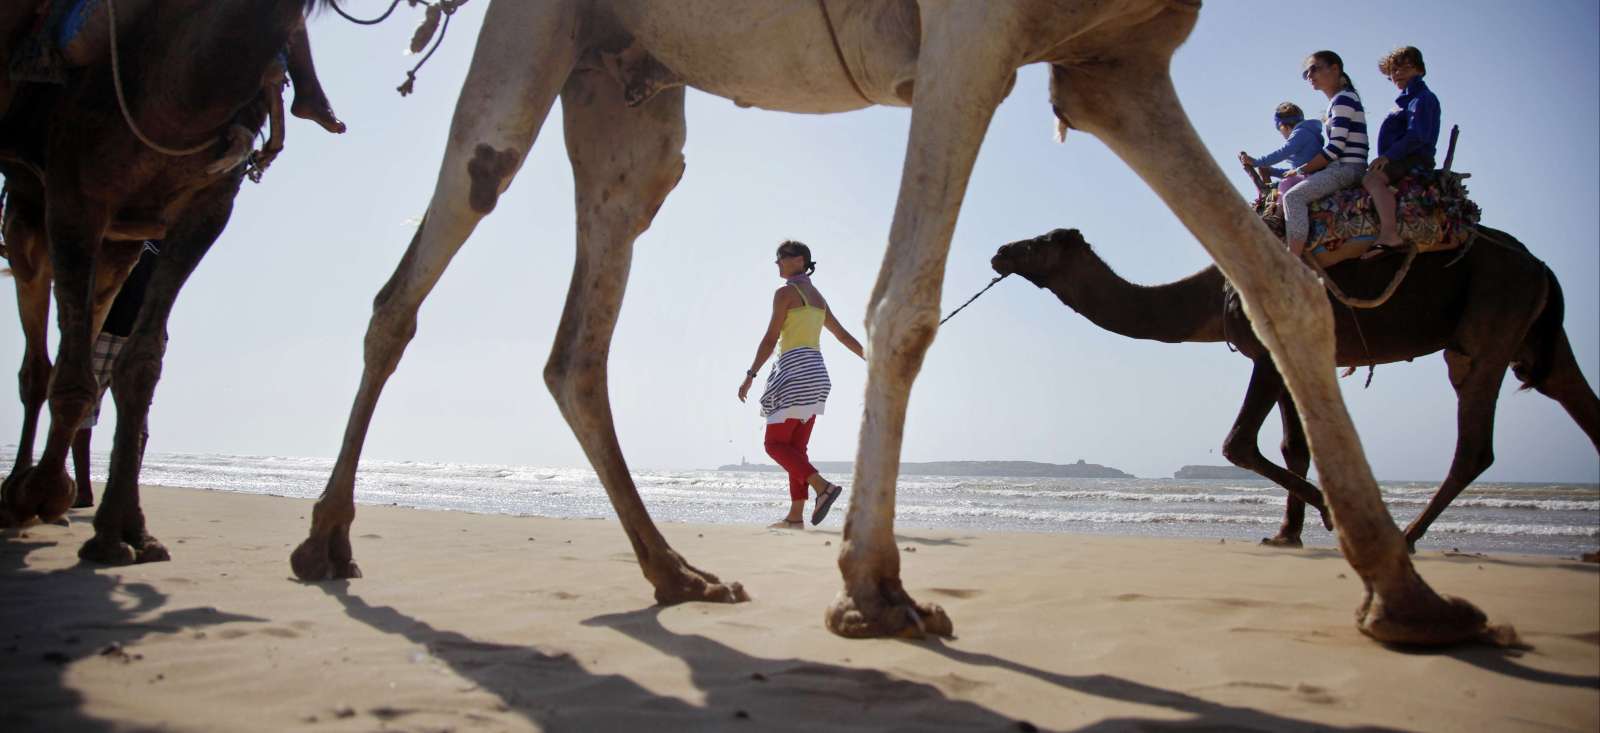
x=1432, y=209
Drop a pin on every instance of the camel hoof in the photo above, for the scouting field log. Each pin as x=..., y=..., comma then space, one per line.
x=1282, y=540
x=151, y=550
x=102, y=551
x=45, y=494
x=906, y=619
x=1441, y=621
x=312, y=561
x=688, y=584
x=1327, y=519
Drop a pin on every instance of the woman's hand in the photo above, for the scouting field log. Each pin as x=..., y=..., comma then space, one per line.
x=744, y=388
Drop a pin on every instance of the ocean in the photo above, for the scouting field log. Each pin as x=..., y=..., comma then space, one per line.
x=1543, y=519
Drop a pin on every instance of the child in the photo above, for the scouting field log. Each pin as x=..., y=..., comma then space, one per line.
x=1304, y=141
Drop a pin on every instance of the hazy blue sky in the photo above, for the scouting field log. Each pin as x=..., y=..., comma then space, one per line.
x=266, y=341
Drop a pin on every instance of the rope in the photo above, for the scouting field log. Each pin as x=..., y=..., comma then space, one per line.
x=122, y=102
x=446, y=8
x=838, y=51
x=374, y=21
x=975, y=297
x=1333, y=287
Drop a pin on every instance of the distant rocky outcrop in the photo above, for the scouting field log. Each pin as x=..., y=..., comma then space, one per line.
x=1232, y=473
x=1027, y=469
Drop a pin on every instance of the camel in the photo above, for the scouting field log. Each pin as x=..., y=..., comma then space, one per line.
x=90, y=178
x=1495, y=307
x=620, y=68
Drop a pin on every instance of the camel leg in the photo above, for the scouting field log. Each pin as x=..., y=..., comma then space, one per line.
x=1477, y=384
x=1565, y=384
x=33, y=310
x=959, y=83
x=524, y=54
x=1296, y=458
x=120, y=536
x=1131, y=105
x=1242, y=449
x=624, y=162
x=75, y=225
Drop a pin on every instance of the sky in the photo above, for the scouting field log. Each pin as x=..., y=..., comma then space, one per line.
x=265, y=350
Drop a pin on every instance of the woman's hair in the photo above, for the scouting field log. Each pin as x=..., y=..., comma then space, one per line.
x=1329, y=58
x=1289, y=114
x=791, y=248
x=1402, y=56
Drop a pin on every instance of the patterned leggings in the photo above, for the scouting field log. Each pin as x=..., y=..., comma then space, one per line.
x=1296, y=216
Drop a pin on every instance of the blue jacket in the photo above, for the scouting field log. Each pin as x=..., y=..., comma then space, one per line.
x=1304, y=142
x=1412, y=127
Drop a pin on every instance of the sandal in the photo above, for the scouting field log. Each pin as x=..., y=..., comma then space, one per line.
x=825, y=502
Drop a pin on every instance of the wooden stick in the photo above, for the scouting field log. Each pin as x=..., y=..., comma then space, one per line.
x=1450, y=153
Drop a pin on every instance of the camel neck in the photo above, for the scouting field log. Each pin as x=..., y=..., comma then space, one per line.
x=1188, y=310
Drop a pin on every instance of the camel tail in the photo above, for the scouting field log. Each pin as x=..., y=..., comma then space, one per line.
x=1544, y=338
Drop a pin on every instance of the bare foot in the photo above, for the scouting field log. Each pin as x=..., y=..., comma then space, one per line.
x=885, y=609
x=676, y=581
x=318, y=111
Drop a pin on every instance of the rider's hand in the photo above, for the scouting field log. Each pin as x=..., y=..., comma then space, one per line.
x=744, y=388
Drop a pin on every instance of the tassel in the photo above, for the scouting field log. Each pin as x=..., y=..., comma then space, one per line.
x=425, y=30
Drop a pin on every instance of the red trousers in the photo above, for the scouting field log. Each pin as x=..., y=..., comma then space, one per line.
x=786, y=443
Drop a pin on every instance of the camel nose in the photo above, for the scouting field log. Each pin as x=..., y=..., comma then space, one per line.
x=1001, y=261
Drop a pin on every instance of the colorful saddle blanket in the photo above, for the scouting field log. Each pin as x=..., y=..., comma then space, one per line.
x=1432, y=208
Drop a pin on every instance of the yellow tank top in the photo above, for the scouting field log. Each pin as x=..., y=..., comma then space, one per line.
x=802, y=326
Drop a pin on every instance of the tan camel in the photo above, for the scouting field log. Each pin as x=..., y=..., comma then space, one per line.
x=618, y=66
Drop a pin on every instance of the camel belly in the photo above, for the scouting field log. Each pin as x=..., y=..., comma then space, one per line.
x=777, y=54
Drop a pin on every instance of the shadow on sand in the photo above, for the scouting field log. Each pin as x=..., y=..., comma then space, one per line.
x=553, y=690
x=49, y=620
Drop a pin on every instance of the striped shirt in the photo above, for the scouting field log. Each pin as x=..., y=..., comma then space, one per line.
x=1346, y=123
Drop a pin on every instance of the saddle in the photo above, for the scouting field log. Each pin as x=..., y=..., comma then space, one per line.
x=68, y=34
x=1432, y=211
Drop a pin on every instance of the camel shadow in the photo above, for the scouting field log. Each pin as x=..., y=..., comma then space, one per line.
x=1499, y=660
x=553, y=690
x=1473, y=558
x=1207, y=715
x=50, y=620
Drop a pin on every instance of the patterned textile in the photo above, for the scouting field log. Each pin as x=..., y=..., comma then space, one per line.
x=797, y=387
x=1432, y=208
x=101, y=360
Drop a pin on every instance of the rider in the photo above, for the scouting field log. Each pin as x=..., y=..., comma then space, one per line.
x=1304, y=141
x=1408, y=139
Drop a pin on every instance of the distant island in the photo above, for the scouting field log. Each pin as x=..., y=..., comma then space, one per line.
x=1031, y=469
x=1232, y=473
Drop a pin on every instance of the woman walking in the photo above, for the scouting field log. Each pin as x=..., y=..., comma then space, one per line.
x=797, y=387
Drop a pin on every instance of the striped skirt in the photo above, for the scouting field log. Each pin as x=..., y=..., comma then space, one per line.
x=797, y=387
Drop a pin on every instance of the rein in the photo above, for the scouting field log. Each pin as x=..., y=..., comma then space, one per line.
x=431, y=22
x=975, y=297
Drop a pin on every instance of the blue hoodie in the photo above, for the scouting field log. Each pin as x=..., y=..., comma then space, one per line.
x=1304, y=142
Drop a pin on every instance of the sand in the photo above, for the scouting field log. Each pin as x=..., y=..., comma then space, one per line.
x=473, y=622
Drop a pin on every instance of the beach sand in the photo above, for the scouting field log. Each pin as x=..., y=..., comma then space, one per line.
x=473, y=622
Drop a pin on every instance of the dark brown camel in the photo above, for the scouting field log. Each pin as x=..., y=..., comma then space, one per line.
x=193, y=74
x=1497, y=306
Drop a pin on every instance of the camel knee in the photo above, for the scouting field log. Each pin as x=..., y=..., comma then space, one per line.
x=136, y=373
x=575, y=382
x=1240, y=450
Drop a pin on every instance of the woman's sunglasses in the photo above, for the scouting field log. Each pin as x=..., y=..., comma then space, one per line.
x=1311, y=70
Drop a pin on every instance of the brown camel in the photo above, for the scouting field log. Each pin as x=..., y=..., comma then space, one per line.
x=1495, y=307
x=85, y=175
x=619, y=65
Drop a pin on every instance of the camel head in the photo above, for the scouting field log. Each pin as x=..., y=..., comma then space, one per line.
x=1037, y=258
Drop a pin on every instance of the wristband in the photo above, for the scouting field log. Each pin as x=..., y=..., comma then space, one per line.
x=750, y=372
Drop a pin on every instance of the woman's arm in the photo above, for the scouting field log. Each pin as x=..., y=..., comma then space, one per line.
x=837, y=329
x=769, y=341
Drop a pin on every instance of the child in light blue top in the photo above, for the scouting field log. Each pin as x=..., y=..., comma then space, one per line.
x=1303, y=140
